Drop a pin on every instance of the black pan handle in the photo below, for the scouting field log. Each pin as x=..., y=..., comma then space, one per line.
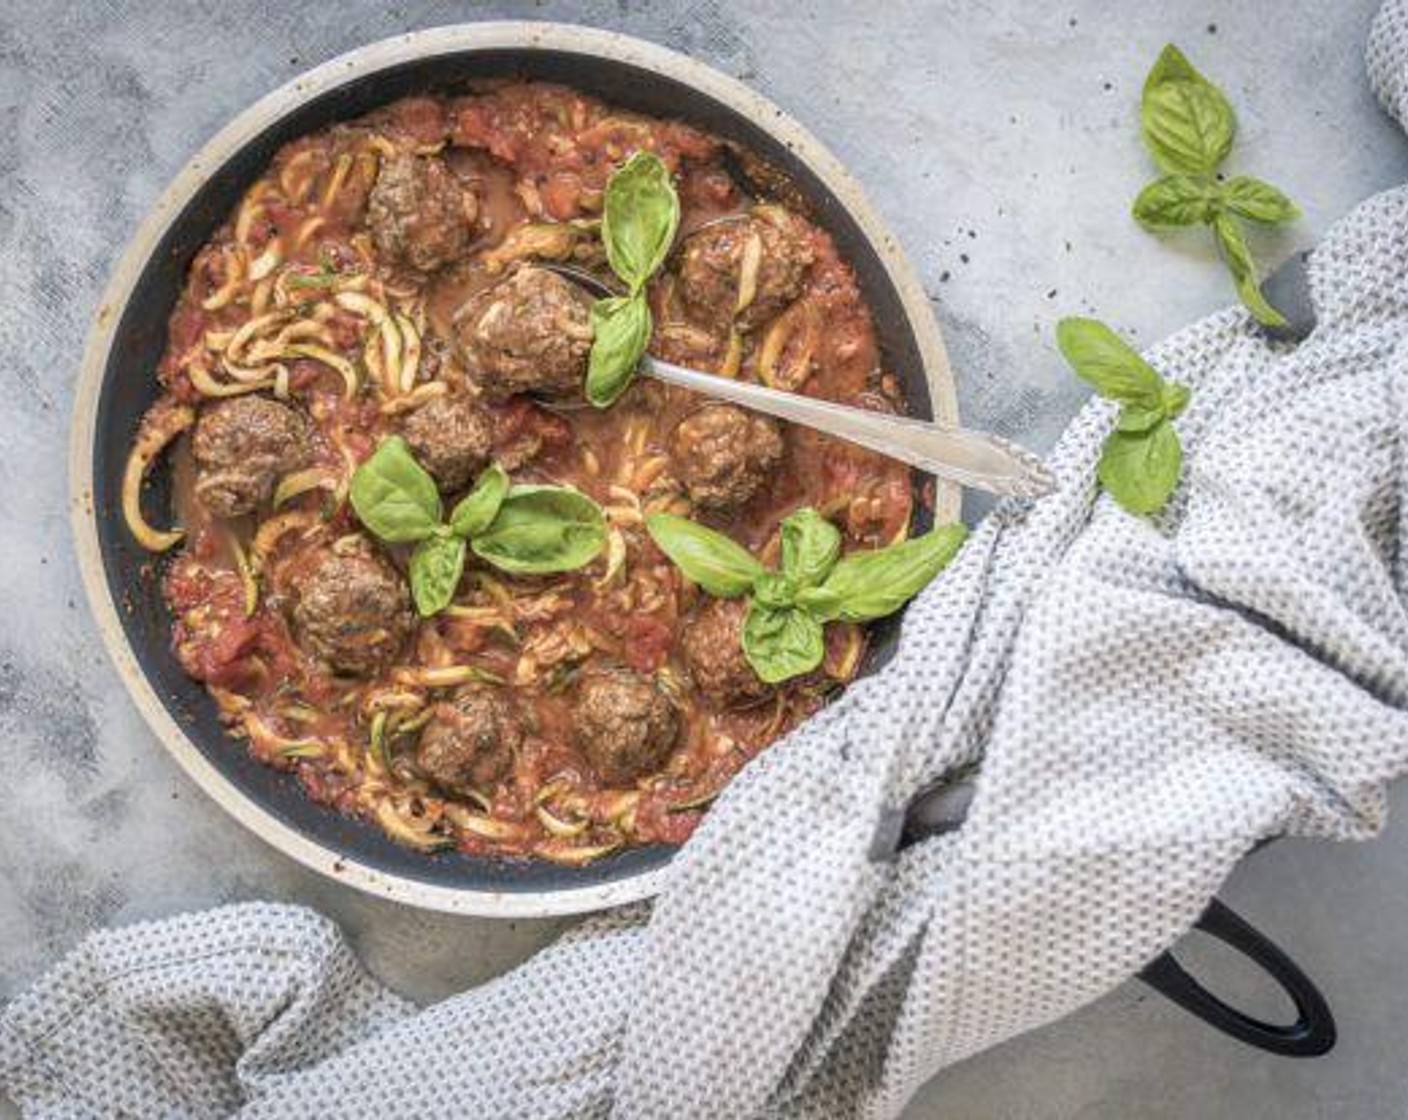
x=1312, y=1033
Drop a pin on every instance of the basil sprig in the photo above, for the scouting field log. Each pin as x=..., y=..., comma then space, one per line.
x=523, y=529
x=640, y=214
x=1142, y=457
x=787, y=608
x=1188, y=126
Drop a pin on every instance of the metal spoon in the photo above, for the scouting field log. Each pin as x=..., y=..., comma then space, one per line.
x=976, y=459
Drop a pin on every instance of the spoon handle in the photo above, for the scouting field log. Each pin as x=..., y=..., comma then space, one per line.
x=975, y=459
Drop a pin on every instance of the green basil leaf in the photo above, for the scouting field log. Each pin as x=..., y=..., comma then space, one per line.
x=1138, y=418
x=1172, y=65
x=394, y=496
x=640, y=214
x=1108, y=363
x=1140, y=469
x=1175, y=399
x=1176, y=200
x=1188, y=123
x=1259, y=201
x=869, y=585
x=477, y=509
x=1238, y=256
x=716, y=563
x=541, y=529
x=775, y=589
x=810, y=546
x=620, y=332
x=436, y=565
x=781, y=643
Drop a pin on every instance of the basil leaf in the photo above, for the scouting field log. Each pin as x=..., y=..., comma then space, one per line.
x=542, y=529
x=1188, y=123
x=1238, y=256
x=436, y=565
x=1175, y=399
x=1138, y=418
x=640, y=214
x=477, y=509
x=620, y=331
x=781, y=642
x=716, y=563
x=775, y=589
x=869, y=585
x=1140, y=469
x=394, y=496
x=1108, y=363
x=810, y=546
x=1259, y=201
x=1176, y=200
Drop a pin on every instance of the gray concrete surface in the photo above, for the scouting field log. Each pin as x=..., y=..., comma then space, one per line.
x=998, y=136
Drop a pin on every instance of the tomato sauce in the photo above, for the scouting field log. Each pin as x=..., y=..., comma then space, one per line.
x=537, y=158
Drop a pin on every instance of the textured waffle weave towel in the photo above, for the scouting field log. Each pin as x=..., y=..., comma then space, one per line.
x=1149, y=699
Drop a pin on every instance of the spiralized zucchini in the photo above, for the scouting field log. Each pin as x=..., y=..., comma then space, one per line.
x=158, y=428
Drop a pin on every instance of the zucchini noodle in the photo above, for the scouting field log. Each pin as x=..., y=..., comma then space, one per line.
x=486, y=827
x=273, y=528
x=292, y=177
x=447, y=676
x=344, y=368
x=246, y=574
x=159, y=427
x=733, y=356
x=748, y=272
x=268, y=260
x=410, y=355
x=406, y=828
x=335, y=182
x=207, y=386
x=268, y=741
x=234, y=277
x=559, y=827
x=779, y=365
x=300, y=482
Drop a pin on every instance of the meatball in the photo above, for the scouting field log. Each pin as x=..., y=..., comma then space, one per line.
x=712, y=645
x=716, y=257
x=470, y=743
x=420, y=213
x=353, y=610
x=452, y=438
x=624, y=725
x=530, y=332
x=241, y=447
x=724, y=455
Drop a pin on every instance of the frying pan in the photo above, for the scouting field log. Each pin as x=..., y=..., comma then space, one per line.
x=117, y=385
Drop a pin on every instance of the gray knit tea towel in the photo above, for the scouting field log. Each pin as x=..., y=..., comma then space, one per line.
x=1148, y=699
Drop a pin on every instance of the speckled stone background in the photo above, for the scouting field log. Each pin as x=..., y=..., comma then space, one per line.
x=997, y=136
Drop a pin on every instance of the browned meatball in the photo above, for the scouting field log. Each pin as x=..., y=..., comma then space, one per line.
x=470, y=742
x=353, y=610
x=452, y=438
x=724, y=455
x=241, y=447
x=624, y=725
x=530, y=332
x=758, y=262
x=712, y=645
x=420, y=213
